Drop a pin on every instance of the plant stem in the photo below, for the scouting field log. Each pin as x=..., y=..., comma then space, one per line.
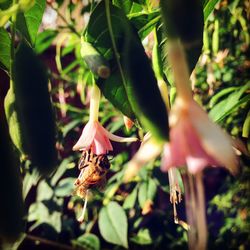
x=94, y=103
x=179, y=65
x=12, y=48
x=49, y=242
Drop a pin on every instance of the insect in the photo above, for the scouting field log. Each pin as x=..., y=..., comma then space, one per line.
x=93, y=172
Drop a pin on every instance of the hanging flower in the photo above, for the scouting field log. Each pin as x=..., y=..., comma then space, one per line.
x=195, y=140
x=94, y=135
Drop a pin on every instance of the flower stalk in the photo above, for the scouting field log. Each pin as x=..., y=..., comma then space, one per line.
x=94, y=103
x=94, y=135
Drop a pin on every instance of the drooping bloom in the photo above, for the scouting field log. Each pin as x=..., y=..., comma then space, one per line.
x=195, y=140
x=94, y=135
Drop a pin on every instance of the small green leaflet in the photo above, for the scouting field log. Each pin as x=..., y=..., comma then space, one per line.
x=209, y=7
x=28, y=23
x=4, y=49
x=228, y=105
x=113, y=224
x=87, y=242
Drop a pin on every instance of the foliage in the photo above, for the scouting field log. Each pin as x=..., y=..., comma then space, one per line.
x=138, y=214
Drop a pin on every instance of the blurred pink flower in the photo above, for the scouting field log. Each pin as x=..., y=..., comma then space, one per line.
x=94, y=135
x=195, y=140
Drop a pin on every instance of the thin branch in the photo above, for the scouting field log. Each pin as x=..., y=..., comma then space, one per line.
x=48, y=242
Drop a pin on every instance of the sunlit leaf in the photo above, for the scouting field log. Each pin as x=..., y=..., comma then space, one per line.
x=4, y=49
x=130, y=200
x=98, y=35
x=147, y=191
x=246, y=126
x=44, y=191
x=228, y=105
x=145, y=22
x=209, y=7
x=113, y=224
x=143, y=237
x=60, y=171
x=87, y=242
x=28, y=22
x=44, y=40
x=65, y=187
x=29, y=180
x=130, y=69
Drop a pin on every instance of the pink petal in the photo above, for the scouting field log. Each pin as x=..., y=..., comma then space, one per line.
x=116, y=138
x=86, y=137
x=185, y=147
x=196, y=156
x=101, y=143
x=213, y=139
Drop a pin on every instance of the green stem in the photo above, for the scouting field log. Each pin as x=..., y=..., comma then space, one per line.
x=12, y=48
x=180, y=70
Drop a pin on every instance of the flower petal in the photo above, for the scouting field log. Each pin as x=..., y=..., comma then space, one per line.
x=86, y=137
x=147, y=152
x=101, y=143
x=213, y=139
x=116, y=138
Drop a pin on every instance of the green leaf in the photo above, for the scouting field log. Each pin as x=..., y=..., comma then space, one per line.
x=215, y=98
x=4, y=49
x=132, y=87
x=113, y=89
x=87, y=242
x=152, y=189
x=34, y=109
x=142, y=194
x=130, y=200
x=65, y=187
x=5, y=4
x=113, y=224
x=126, y=5
x=60, y=170
x=40, y=213
x=44, y=191
x=228, y=105
x=143, y=237
x=98, y=35
x=144, y=22
x=184, y=21
x=147, y=191
x=28, y=23
x=246, y=126
x=209, y=7
x=142, y=88
x=44, y=40
x=29, y=180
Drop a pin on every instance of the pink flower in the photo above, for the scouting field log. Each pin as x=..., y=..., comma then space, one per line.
x=195, y=140
x=185, y=147
x=94, y=135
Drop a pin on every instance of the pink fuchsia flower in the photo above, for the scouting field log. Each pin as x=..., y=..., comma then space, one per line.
x=94, y=135
x=195, y=140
